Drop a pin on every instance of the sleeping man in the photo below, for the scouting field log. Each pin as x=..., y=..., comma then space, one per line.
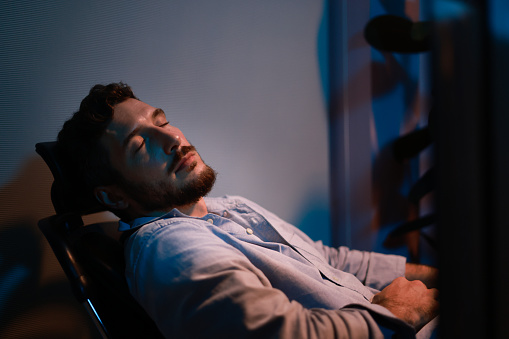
x=225, y=267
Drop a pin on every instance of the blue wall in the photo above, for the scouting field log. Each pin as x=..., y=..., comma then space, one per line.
x=240, y=78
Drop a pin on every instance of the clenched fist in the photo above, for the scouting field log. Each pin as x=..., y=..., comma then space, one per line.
x=410, y=301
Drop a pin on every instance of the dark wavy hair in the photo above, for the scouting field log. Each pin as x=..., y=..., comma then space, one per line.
x=79, y=139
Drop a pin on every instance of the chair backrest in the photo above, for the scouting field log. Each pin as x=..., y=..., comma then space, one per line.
x=91, y=256
x=66, y=195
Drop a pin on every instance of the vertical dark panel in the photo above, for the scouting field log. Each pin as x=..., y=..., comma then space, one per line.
x=465, y=162
x=499, y=137
x=340, y=226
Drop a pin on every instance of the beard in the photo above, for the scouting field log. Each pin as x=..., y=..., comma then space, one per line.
x=164, y=195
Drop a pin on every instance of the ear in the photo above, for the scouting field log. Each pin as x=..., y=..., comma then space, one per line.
x=111, y=197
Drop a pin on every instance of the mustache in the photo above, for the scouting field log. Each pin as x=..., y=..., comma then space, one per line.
x=179, y=154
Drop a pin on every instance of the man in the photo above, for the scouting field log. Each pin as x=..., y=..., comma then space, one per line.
x=226, y=267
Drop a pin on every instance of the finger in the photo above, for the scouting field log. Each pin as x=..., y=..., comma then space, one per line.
x=418, y=284
x=435, y=293
x=400, y=280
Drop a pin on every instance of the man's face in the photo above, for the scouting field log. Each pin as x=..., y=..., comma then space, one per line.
x=159, y=168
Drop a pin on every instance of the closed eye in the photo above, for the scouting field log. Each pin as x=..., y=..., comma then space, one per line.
x=139, y=147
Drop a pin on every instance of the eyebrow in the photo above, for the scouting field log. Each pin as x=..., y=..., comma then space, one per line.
x=155, y=114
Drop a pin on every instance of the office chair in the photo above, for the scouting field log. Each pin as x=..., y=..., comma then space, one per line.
x=91, y=256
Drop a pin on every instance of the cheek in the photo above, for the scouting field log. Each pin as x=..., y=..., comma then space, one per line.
x=144, y=167
x=141, y=160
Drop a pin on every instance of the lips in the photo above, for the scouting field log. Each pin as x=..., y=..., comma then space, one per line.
x=180, y=158
x=186, y=161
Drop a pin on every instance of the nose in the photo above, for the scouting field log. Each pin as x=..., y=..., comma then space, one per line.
x=170, y=142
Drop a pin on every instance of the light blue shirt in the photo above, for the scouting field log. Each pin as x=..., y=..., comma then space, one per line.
x=240, y=271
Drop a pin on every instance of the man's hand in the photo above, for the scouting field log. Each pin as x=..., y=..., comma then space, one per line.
x=410, y=301
x=427, y=274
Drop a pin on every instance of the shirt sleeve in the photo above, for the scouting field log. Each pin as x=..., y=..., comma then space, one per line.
x=195, y=286
x=373, y=269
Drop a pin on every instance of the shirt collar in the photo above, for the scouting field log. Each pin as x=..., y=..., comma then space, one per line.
x=138, y=222
x=214, y=205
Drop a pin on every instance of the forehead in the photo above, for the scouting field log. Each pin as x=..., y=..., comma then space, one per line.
x=130, y=112
x=127, y=116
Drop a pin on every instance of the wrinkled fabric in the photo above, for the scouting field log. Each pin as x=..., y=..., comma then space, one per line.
x=242, y=272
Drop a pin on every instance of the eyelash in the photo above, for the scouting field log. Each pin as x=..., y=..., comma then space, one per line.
x=143, y=142
x=141, y=145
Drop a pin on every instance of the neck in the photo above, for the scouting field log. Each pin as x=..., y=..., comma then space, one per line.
x=198, y=209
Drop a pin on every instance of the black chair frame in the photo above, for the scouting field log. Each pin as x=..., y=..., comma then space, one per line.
x=92, y=257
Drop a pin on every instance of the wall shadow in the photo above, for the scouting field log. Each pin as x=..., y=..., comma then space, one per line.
x=35, y=298
x=392, y=179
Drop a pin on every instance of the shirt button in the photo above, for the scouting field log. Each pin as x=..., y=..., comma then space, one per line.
x=249, y=231
x=225, y=214
x=210, y=220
